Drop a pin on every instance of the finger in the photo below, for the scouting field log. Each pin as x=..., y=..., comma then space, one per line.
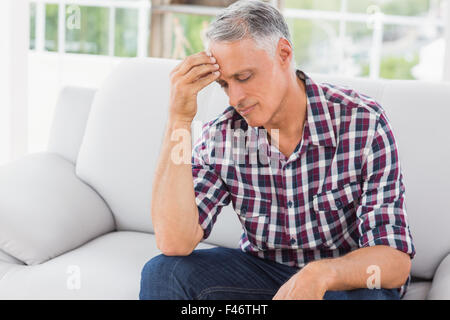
x=203, y=82
x=200, y=72
x=195, y=60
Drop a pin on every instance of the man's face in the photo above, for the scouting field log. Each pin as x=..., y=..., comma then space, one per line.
x=254, y=81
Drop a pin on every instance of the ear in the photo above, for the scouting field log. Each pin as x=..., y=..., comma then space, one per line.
x=284, y=52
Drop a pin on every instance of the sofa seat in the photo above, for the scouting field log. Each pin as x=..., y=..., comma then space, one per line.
x=417, y=290
x=98, y=263
x=109, y=267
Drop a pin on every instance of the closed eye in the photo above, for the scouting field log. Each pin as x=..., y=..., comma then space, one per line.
x=223, y=84
x=243, y=80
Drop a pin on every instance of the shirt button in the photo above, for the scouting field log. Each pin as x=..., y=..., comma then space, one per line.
x=244, y=210
x=292, y=241
x=338, y=203
x=289, y=203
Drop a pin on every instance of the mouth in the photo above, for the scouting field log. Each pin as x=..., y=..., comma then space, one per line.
x=247, y=110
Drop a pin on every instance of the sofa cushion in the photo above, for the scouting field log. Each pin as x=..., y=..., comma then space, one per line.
x=45, y=210
x=69, y=121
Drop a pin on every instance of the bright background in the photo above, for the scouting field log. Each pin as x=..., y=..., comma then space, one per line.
x=53, y=43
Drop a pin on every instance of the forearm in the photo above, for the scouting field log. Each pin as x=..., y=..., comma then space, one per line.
x=174, y=211
x=353, y=270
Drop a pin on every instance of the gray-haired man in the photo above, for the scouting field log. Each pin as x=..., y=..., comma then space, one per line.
x=325, y=219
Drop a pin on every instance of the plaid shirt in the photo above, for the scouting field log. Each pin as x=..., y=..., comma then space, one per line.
x=340, y=190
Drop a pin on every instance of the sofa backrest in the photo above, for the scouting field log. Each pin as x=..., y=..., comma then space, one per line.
x=124, y=132
x=69, y=121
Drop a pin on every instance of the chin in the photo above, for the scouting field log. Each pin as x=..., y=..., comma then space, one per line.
x=256, y=118
x=254, y=122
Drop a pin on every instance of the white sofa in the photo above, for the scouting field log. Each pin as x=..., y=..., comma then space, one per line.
x=75, y=220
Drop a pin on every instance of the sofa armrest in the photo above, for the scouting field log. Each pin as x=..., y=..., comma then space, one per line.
x=46, y=210
x=440, y=287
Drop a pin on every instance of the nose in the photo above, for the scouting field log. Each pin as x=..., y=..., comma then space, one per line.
x=236, y=94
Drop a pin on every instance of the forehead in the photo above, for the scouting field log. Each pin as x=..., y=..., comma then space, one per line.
x=237, y=56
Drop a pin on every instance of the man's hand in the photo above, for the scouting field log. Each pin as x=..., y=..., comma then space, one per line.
x=186, y=80
x=307, y=284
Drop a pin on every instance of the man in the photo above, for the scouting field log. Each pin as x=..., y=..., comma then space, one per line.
x=322, y=206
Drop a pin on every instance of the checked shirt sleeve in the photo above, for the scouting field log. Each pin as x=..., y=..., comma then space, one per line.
x=211, y=193
x=382, y=215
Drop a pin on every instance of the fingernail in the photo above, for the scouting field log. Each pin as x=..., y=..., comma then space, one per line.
x=208, y=54
x=213, y=59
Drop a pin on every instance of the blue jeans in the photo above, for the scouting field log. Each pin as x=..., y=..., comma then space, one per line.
x=228, y=274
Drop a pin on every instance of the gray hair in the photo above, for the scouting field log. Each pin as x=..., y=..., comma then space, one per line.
x=250, y=19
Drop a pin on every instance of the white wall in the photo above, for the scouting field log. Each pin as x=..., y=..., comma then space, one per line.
x=14, y=42
x=446, y=76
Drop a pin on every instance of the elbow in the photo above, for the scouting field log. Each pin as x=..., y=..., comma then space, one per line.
x=169, y=248
x=403, y=267
x=406, y=267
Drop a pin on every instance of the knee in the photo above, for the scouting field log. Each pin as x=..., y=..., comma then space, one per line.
x=155, y=276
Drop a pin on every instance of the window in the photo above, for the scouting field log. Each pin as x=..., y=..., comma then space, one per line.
x=91, y=34
x=188, y=34
x=126, y=32
x=392, y=39
x=100, y=28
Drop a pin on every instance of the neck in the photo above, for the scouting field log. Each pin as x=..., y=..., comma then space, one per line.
x=291, y=115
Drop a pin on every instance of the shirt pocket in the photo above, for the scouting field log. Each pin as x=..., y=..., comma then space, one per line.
x=254, y=214
x=335, y=213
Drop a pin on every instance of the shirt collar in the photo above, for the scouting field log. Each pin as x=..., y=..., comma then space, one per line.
x=318, y=118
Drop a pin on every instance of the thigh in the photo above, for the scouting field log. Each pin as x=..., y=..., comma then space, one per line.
x=221, y=273
x=363, y=294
